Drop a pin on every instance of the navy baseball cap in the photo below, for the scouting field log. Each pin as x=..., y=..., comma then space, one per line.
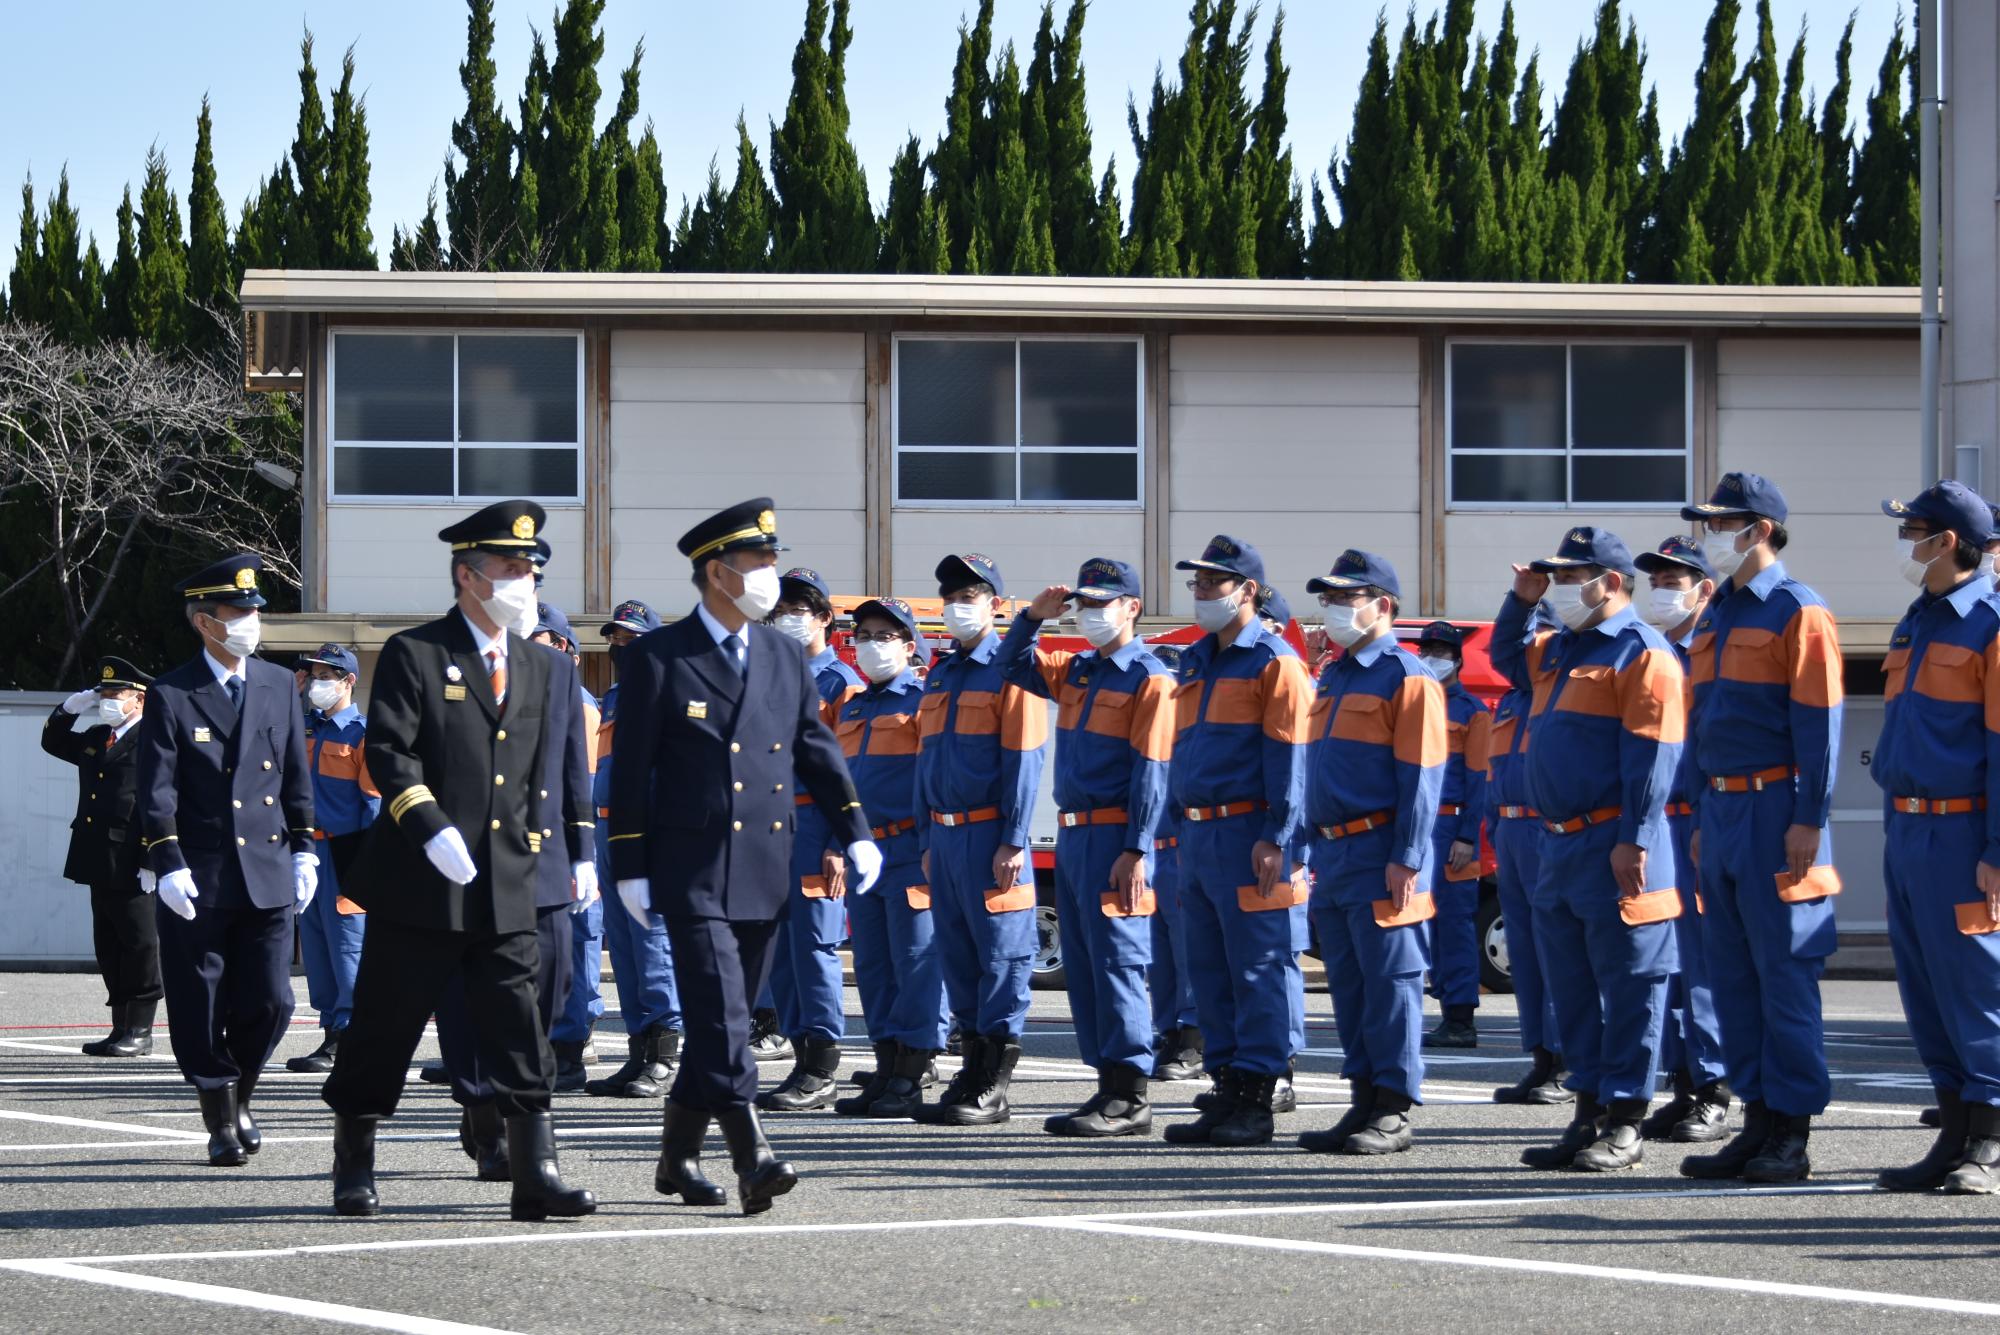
x=806, y=578
x=1444, y=633
x=1586, y=546
x=1749, y=494
x=552, y=620
x=1948, y=505
x=957, y=572
x=1356, y=569
x=1275, y=608
x=900, y=612
x=634, y=616
x=1228, y=556
x=1102, y=577
x=1678, y=550
x=337, y=656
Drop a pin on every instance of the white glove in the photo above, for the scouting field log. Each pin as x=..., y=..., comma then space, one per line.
x=864, y=864
x=584, y=874
x=636, y=894
x=305, y=880
x=82, y=700
x=448, y=853
x=147, y=882
x=177, y=892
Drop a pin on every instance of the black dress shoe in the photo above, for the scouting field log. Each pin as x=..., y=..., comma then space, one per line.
x=1118, y=1109
x=761, y=1177
x=218, y=1114
x=812, y=1083
x=1708, y=1120
x=1542, y=1085
x=1783, y=1157
x=679, y=1171
x=766, y=1043
x=1730, y=1161
x=1387, y=1127
x=354, y=1166
x=434, y=1073
x=1360, y=1105
x=1177, y=1054
x=1579, y=1135
x=539, y=1191
x=1978, y=1173
x=1945, y=1154
x=1660, y=1123
x=1619, y=1144
x=320, y=1060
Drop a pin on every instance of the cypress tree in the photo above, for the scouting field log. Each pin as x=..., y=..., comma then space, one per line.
x=612, y=169
x=123, y=279
x=527, y=242
x=570, y=151
x=933, y=239
x=962, y=154
x=1885, y=172
x=698, y=237
x=1752, y=245
x=1020, y=211
x=1700, y=185
x=642, y=193
x=1074, y=224
x=22, y=286
x=1526, y=204
x=211, y=280
x=1107, y=255
x=1361, y=185
x=902, y=215
x=159, y=292
x=264, y=224
x=821, y=218
x=1278, y=208
x=307, y=232
x=1836, y=143
x=422, y=249
x=746, y=218
x=478, y=199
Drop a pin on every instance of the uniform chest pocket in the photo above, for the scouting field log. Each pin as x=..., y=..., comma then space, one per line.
x=930, y=715
x=1316, y=717
x=1455, y=738
x=1360, y=717
x=1110, y=714
x=1591, y=689
x=1701, y=659
x=1754, y=656
x=849, y=731
x=978, y=714
x=1952, y=673
x=1895, y=664
x=893, y=735
x=1187, y=705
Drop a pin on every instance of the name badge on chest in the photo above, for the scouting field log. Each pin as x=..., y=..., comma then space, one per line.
x=201, y=735
x=697, y=709
x=454, y=692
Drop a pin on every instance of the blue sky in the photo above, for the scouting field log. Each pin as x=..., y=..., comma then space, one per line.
x=93, y=85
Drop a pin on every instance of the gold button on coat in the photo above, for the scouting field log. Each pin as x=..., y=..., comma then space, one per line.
x=496, y=824
x=736, y=825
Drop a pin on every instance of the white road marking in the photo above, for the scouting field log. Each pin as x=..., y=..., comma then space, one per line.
x=143, y=1130
x=1627, y=1274
x=261, y=1302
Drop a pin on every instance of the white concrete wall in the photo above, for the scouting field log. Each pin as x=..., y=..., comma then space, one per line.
x=387, y=558
x=1481, y=547
x=1034, y=548
x=1834, y=422
x=1299, y=445
x=42, y=916
x=702, y=420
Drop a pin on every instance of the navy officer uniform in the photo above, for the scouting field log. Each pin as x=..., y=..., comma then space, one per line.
x=718, y=720
x=457, y=742
x=225, y=817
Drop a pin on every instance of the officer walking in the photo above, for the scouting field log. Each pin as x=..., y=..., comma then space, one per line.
x=1607, y=728
x=1114, y=739
x=983, y=745
x=459, y=743
x=719, y=721
x=226, y=823
x=1691, y=1047
x=345, y=803
x=1455, y=871
x=1934, y=762
x=1239, y=780
x=1377, y=758
x=1764, y=730
x=805, y=972
x=92, y=730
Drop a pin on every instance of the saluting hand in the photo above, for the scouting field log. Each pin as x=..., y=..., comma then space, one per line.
x=1049, y=603
x=1628, y=869
x=1530, y=586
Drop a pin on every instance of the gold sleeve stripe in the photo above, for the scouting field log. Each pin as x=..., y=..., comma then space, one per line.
x=584, y=824
x=165, y=839
x=409, y=797
x=616, y=837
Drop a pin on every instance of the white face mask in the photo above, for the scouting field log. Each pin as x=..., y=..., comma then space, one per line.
x=1986, y=565
x=1441, y=666
x=1343, y=625
x=966, y=621
x=110, y=711
x=511, y=601
x=1099, y=625
x=797, y=626
x=1913, y=569
x=323, y=695
x=1667, y=608
x=1570, y=609
x=241, y=636
x=880, y=662
x=760, y=592
x=1720, y=549
x=1215, y=613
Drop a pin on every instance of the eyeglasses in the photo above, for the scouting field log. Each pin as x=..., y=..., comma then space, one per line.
x=1912, y=533
x=875, y=637
x=1208, y=583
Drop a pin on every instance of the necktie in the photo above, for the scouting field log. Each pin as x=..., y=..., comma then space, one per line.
x=235, y=687
x=496, y=667
x=733, y=645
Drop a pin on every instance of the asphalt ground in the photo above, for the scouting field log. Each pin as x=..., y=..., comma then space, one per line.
x=110, y=1219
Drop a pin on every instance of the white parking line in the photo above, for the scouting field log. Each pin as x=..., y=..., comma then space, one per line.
x=93, y=1125
x=1477, y=1261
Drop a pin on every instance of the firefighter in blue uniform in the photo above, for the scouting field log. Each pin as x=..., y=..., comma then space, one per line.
x=983, y=745
x=226, y=821
x=1276, y=615
x=719, y=724
x=345, y=803
x=1682, y=582
x=1376, y=770
x=1607, y=734
x=1455, y=870
x=1114, y=738
x=1938, y=764
x=805, y=972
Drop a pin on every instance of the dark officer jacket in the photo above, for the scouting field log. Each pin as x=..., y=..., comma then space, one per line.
x=702, y=776
x=565, y=787
x=227, y=797
x=444, y=754
x=102, y=850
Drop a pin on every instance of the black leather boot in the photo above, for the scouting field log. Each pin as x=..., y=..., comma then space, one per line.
x=1221, y=1098
x=1360, y=1105
x=811, y=1084
x=247, y=1133
x=1784, y=1157
x=1708, y=1120
x=354, y=1166
x=954, y=1042
x=1660, y=1124
x=434, y=1073
x=679, y=1171
x=1579, y=1135
x=1177, y=1053
x=1118, y=1109
x=1542, y=1085
x=1285, y=1098
x=482, y=1129
x=1214, y=1096
x=1249, y=1121
x=539, y=1191
x=1730, y=1161
x=1945, y=1154
x=962, y=1085
x=857, y=1105
x=1978, y=1173
x=1930, y=1117
x=1387, y=1130
x=761, y=1177
x=218, y=1114
x=992, y=1058
x=320, y=1060
x=131, y=1031
x=1455, y=1030
x=903, y=1093
x=651, y=1057
x=1620, y=1144
x=766, y=1043
x=571, y=1073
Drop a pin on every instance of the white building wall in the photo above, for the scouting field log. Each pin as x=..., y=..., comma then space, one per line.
x=1301, y=446
x=1034, y=548
x=701, y=420
x=1482, y=546
x=387, y=558
x=46, y=918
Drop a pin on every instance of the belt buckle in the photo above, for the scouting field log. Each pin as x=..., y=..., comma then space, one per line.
x=947, y=819
x=1913, y=806
x=1756, y=783
x=1194, y=814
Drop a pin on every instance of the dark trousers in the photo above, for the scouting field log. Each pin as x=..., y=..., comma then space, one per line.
x=456, y=1041
x=228, y=983
x=722, y=966
x=404, y=976
x=127, y=942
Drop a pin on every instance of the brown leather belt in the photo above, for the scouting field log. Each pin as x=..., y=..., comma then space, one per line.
x=1450, y=809
x=1583, y=822
x=1070, y=820
x=977, y=816
x=1222, y=812
x=1752, y=783
x=1519, y=813
x=1936, y=806
x=1374, y=820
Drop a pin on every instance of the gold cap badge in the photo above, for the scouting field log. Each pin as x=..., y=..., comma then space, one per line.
x=108, y=673
x=767, y=523
x=246, y=578
x=524, y=527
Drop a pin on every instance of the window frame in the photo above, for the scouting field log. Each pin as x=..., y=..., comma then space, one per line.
x=455, y=444
x=1569, y=451
x=1137, y=451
